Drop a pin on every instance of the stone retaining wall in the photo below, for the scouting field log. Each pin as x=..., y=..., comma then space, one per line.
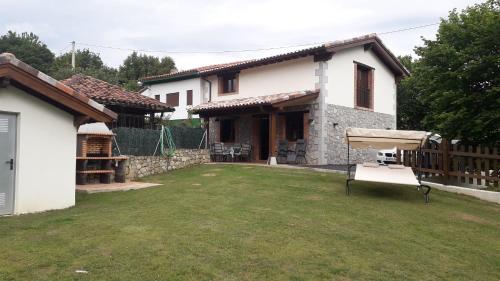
x=141, y=166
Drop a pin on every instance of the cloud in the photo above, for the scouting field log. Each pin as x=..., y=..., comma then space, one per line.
x=195, y=25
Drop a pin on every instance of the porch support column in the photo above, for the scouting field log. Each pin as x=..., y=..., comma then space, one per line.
x=206, y=121
x=273, y=120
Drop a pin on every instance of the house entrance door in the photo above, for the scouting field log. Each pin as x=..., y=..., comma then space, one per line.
x=264, y=138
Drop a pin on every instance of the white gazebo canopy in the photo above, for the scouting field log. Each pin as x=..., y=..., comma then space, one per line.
x=385, y=139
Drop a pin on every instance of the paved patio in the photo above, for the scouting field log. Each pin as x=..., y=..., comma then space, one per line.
x=131, y=185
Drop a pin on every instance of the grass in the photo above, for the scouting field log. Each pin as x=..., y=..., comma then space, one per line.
x=253, y=223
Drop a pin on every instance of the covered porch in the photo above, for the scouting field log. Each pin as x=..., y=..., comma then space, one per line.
x=266, y=124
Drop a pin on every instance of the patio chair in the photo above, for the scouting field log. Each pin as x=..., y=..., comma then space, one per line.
x=212, y=153
x=299, y=154
x=282, y=151
x=237, y=151
x=217, y=152
x=245, y=152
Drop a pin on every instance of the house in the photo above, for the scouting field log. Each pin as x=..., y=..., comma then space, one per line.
x=180, y=90
x=39, y=119
x=134, y=110
x=312, y=94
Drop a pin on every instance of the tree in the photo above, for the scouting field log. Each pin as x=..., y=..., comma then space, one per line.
x=28, y=48
x=458, y=75
x=85, y=59
x=136, y=66
x=410, y=110
x=87, y=62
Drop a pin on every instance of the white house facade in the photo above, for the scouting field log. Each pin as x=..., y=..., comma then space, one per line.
x=177, y=94
x=312, y=94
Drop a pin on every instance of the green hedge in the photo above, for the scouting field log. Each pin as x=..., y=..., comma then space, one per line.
x=142, y=142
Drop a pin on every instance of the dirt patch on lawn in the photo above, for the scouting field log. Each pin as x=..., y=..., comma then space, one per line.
x=196, y=184
x=473, y=218
x=313, y=197
x=209, y=175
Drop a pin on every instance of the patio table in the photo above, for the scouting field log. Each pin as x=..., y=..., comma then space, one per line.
x=231, y=151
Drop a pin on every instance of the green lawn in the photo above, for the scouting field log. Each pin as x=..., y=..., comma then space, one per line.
x=217, y=222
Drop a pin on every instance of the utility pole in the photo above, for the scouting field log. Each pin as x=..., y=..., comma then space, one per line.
x=73, y=55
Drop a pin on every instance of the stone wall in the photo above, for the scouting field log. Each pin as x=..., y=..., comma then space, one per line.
x=243, y=125
x=336, y=146
x=141, y=166
x=314, y=140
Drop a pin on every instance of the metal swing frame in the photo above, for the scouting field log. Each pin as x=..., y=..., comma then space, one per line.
x=420, y=186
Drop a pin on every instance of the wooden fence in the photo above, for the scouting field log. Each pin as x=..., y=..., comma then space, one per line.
x=455, y=164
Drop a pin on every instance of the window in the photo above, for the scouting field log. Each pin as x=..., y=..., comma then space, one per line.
x=228, y=83
x=173, y=99
x=294, y=126
x=157, y=97
x=364, y=89
x=189, y=97
x=227, y=130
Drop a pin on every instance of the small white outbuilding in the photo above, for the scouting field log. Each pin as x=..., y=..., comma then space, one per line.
x=39, y=119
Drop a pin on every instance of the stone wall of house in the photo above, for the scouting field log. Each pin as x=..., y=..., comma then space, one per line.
x=213, y=130
x=313, y=140
x=243, y=129
x=141, y=166
x=344, y=117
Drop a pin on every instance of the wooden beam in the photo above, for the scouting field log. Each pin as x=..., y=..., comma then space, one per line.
x=80, y=120
x=273, y=117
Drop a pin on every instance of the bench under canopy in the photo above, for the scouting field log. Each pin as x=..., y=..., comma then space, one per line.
x=361, y=138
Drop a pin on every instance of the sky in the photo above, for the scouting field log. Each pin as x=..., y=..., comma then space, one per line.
x=168, y=28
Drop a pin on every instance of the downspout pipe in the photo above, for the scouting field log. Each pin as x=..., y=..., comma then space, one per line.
x=209, y=88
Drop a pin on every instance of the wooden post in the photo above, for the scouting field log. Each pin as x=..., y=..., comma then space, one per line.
x=206, y=120
x=273, y=117
x=495, y=166
x=398, y=156
x=470, y=166
x=487, y=165
x=446, y=161
x=479, y=168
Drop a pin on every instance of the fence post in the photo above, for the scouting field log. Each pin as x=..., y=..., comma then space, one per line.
x=398, y=156
x=446, y=160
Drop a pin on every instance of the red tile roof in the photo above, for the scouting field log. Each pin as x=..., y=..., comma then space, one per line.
x=49, y=88
x=270, y=100
x=331, y=47
x=195, y=70
x=109, y=94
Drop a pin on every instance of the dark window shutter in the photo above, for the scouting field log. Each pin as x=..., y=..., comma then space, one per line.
x=364, y=89
x=189, y=97
x=173, y=99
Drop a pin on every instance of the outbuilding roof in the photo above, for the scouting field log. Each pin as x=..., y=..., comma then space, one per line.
x=22, y=75
x=275, y=100
x=371, y=41
x=109, y=94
